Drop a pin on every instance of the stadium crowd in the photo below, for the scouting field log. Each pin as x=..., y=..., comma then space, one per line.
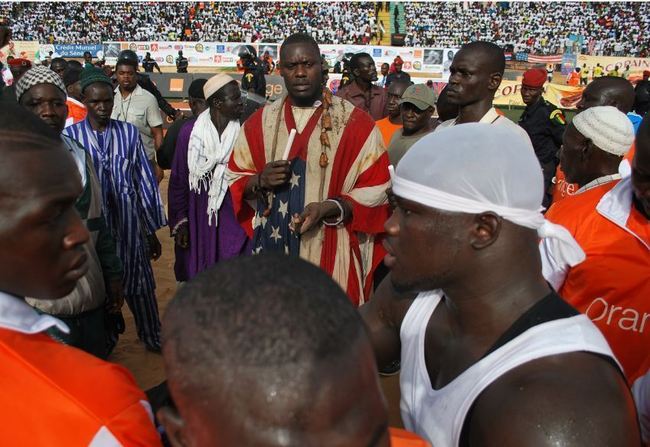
x=540, y=28
x=609, y=29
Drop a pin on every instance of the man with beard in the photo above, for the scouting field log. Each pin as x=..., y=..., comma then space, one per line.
x=544, y=123
x=323, y=197
x=362, y=92
x=201, y=216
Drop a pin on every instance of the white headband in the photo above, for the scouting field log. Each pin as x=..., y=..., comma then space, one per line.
x=562, y=241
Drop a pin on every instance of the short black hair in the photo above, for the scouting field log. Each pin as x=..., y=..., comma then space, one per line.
x=75, y=64
x=16, y=122
x=195, y=89
x=267, y=311
x=71, y=76
x=58, y=60
x=299, y=38
x=356, y=58
x=492, y=53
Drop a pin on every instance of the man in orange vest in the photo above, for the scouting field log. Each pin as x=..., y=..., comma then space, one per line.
x=295, y=368
x=603, y=91
x=608, y=216
x=52, y=394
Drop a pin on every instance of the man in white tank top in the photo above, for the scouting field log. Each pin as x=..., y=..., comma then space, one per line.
x=490, y=355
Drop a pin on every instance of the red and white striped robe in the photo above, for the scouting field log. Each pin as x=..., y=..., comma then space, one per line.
x=357, y=171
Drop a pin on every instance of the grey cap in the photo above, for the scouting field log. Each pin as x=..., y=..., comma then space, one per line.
x=420, y=96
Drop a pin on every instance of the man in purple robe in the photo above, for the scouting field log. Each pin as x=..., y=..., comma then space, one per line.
x=201, y=214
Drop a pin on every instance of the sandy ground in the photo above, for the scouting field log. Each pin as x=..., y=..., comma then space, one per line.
x=148, y=367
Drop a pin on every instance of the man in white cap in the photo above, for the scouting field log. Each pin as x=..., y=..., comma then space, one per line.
x=612, y=285
x=201, y=215
x=490, y=354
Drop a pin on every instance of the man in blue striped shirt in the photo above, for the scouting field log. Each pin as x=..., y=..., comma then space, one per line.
x=131, y=201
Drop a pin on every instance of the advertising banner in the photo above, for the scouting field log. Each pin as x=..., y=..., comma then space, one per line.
x=637, y=64
x=20, y=49
x=63, y=50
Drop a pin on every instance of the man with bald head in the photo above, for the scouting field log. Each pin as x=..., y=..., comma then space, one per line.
x=475, y=75
x=490, y=354
x=293, y=369
x=52, y=394
x=608, y=216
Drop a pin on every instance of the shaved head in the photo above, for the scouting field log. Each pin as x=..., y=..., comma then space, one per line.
x=608, y=91
x=491, y=55
x=271, y=348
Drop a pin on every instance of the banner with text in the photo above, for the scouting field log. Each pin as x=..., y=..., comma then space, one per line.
x=637, y=64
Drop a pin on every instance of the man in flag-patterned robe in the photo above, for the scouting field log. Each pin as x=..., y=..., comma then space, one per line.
x=337, y=162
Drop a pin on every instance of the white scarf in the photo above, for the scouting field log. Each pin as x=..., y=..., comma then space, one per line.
x=207, y=158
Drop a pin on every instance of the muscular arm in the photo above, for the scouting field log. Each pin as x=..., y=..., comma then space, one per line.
x=383, y=316
x=568, y=400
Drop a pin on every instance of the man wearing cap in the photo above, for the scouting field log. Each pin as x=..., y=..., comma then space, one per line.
x=544, y=123
x=612, y=285
x=490, y=354
x=130, y=198
x=322, y=197
x=196, y=101
x=201, y=215
x=137, y=106
x=417, y=105
x=42, y=92
x=361, y=91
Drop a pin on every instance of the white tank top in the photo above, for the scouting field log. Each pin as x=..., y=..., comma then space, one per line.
x=438, y=415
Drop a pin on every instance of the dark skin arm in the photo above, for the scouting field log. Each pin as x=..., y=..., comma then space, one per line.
x=155, y=249
x=568, y=400
x=274, y=174
x=182, y=236
x=383, y=316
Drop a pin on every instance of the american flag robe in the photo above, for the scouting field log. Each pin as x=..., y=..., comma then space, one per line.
x=357, y=171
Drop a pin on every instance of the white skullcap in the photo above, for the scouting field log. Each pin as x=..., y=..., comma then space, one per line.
x=215, y=83
x=476, y=168
x=608, y=128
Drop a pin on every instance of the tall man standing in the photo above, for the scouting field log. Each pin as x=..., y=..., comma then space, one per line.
x=137, y=106
x=361, y=91
x=490, y=355
x=201, y=215
x=475, y=75
x=326, y=201
x=131, y=201
x=544, y=123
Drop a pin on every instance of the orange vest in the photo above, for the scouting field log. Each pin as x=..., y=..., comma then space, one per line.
x=612, y=285
x=56, y=395
x=561, y=188
x=76, y=112
x=403, y=438
x=387, y=129
x=574, y=79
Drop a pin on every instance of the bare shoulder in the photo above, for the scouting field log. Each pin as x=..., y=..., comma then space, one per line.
x=388, y=304
x=574, y=399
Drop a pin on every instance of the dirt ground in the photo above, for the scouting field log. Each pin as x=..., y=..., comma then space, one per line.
x=148, y=367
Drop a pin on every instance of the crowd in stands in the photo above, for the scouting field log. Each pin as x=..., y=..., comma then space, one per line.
x=609, y=29
x=540, y=28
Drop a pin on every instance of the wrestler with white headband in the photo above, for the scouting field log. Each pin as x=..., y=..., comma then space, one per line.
x=490, y=354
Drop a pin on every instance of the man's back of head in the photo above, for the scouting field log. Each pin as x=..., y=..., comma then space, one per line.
x=608, y=91
x=271, y=348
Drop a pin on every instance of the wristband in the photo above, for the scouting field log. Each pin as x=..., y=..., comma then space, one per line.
x=341, y=218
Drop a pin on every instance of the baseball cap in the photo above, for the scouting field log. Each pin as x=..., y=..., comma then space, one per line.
x=420, y=96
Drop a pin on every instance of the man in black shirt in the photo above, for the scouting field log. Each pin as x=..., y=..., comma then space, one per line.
x=181, y=63
x=544, y=123
x=148, y=64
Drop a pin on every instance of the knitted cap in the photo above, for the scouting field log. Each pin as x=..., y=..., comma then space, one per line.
x=35, y=76
x=608, y=128
x=91, y=75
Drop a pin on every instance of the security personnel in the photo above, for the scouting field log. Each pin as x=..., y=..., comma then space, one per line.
x=146, y=83
x=253, y=79
x=148, y=63
x=544, y=124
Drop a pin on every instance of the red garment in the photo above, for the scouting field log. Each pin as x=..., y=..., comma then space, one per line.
x=403, y=438
x=373, y=102
x=612, y=285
